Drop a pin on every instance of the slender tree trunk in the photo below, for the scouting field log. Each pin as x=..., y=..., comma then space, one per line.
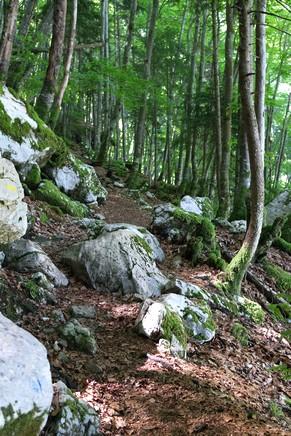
x=47, y=94
x=283, y=139
x=218, y=130
x=261, y=5
x=56, y=108
x=140, y=129
x=238, y=266
x=7, y=38
x=224, y=200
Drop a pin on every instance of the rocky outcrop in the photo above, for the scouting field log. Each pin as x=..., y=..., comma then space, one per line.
x=25, y=382
x=176, y=316
x=120, y=261
x=27, y=256
x=24, y=138
x=79, y=181
x=13, y=211
x=71, y=416
x=198, y=206
x=279, y=207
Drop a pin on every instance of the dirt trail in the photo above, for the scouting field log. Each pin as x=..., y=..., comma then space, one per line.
x=222, y=389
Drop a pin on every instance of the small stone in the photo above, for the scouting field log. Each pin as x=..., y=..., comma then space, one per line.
x=78, y=337
x=83, y=311
x=58, y=316
x=119, y=185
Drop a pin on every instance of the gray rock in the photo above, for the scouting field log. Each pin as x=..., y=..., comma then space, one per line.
x=59, y=316
x=79, y=181
x=198, y=205
x=78, y=337
x=194, y=320
x=165, y=224
x=2, y=257
x=83, y=311
x=279, y=207
x=177, y=286
x=119, y=185
x=238, y=226
x=27, y=256
x=13, y=212
x=157, y=251
x=25, y=381
x=73, y=417
x=120, y=261
x=150, y=195
x=42, y=280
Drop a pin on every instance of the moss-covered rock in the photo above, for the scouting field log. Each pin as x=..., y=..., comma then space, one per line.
x=281, y=277
x=240, y=333
x=31, y=175
x=71, y=416
x=282, y=245
x=78, y=337
x=78, y=180
x=24, y=137
x=251, y=309
x=51, y=194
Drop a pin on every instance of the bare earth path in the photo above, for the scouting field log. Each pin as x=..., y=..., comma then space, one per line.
x=222, y=389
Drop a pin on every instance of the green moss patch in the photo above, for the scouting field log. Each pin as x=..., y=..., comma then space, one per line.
x=173, y=325
x=27, y=424
x=15, y=129
x=142, y=243
x=282, y=245
x=49, y=193
x=240, y=333
x=253, y=310
x=281, y=277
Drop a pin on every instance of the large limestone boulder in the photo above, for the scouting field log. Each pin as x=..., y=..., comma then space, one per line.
x=71, y=416
x=177, y=316
x=279, y=207
x=157, y=251
x=25, y=382
x=79, y=181
x=24, y=138
x=13, y=211
x=198, y=205
x=27, y=256
x=118, y=261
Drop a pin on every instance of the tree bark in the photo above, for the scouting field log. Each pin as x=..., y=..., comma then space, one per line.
x=47, y=94
x=224, y=200
x=217, y=94
x=56, y=108
x=7, y=38
x=237, y=268
x=140, y=129
x=261, y=5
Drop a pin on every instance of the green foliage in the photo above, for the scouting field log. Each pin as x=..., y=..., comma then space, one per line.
x=32, y=289
x=27, y=424
x=240, y=333
x=283, y=370
x=117, y=167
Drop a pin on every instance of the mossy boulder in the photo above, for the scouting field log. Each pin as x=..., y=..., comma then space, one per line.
x=279, y=207
x=201, y=206
x=176, y=315
x=70, y=415
x=50, y=193
x=78, y=180
x=25, y=382
x=78, y=337
x=196, y=233
x=24, y=137
x=31, y=175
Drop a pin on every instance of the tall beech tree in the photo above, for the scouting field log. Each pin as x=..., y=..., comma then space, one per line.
x=48, y=91
x=238, y=266
x=7, y=39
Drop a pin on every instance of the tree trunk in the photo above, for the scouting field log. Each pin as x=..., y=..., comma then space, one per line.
x=56, y=108
x=283, y=139
x=7, y=38
x=218, y=130
x=237, y=268
x=224, y=200
x=139, y=134
x=47, y=94
x=27, y=17
x=260, y=67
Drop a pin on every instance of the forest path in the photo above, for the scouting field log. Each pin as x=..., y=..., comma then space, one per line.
x=222, y=389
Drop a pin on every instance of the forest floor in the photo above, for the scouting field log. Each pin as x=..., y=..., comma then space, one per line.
x=221, y=389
